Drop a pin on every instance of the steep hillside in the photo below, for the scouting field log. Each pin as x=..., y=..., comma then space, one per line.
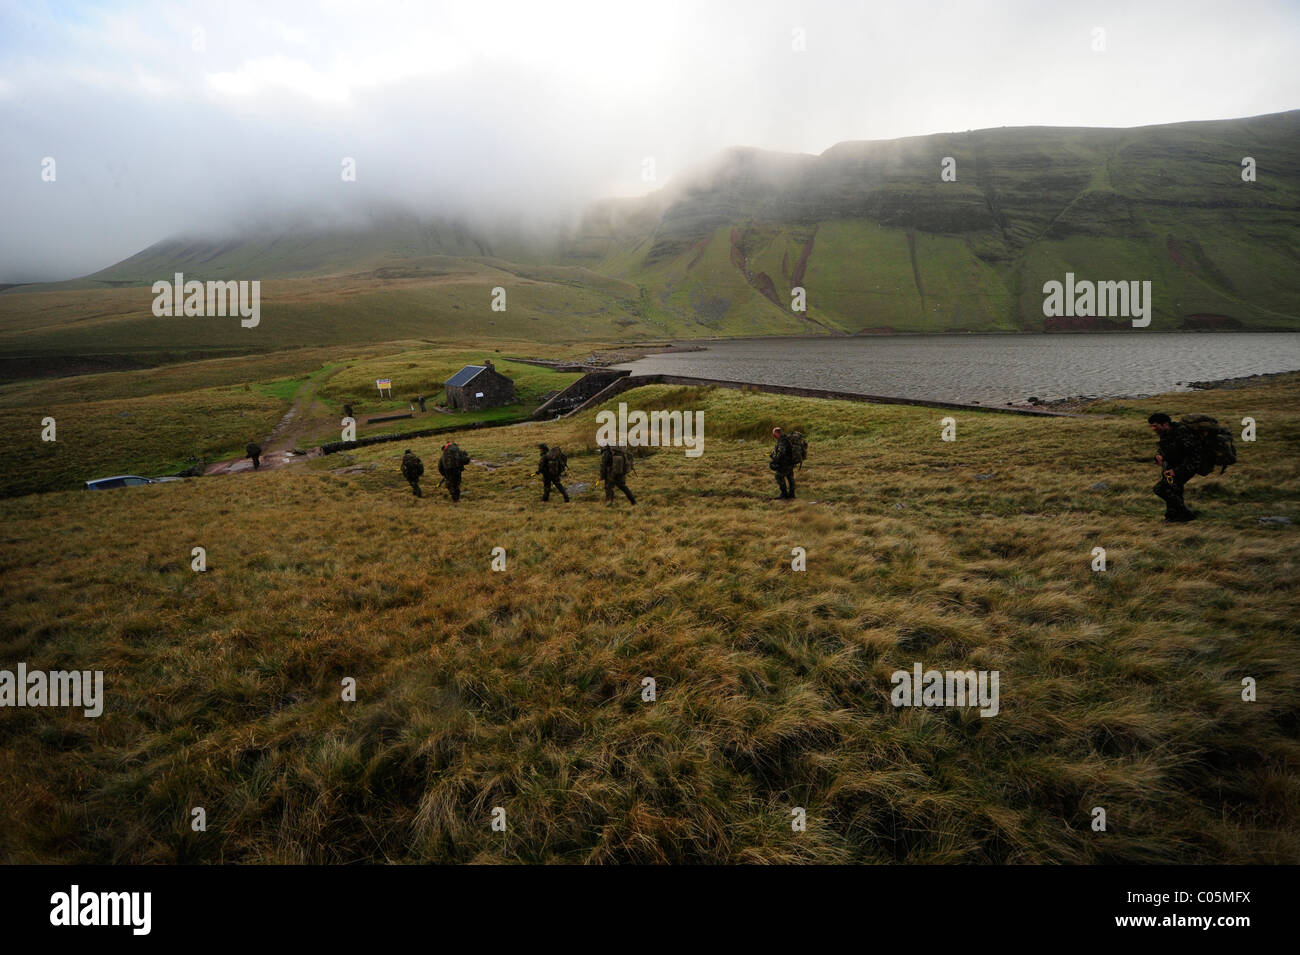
x=880, y=241
x=872, y=232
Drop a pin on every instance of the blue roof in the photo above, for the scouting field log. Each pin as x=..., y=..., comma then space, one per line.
x=465, y=375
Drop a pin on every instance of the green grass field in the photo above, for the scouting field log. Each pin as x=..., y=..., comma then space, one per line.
x=150, y=436
x=162, y=420
x=423, y=371
x=522, y=689
x=345, y=311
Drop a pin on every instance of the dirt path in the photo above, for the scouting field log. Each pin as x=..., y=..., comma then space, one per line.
x=307, y=419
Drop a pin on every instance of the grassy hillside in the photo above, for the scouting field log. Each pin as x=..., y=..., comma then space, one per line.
x=152, y=435
x=162, y=420
x=425, y=371
x=869, y=229
x=522, y=689
x=389, y=239
x=343, y=310
x=897, y=247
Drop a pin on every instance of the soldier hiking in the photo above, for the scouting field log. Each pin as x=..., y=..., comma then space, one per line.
x=615, y=465
x=450, y=466
x=1193, y=445
x=789, y=453
x=551, y=467
x=254, y=451
x=412, y=470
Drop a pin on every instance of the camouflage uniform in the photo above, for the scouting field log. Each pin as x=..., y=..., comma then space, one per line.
x=782, y=462
x=412, y=470
x=452, y=476
x=548, y=470
x=611, y=479
x=254, y=452
x=1180, y=451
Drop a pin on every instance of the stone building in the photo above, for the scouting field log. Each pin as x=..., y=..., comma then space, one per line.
x=479, y=386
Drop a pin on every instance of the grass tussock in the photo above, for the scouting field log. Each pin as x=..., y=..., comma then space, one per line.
x=523, y=689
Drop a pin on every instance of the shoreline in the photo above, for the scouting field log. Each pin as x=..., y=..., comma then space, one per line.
x=1241, y=381
x=1061, y=404
x=1081, y=402
x=700, y=343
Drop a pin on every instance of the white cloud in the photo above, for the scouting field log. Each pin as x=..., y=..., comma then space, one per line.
x=268, y=74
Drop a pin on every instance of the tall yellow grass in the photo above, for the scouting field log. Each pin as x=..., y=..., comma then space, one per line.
x=523, y=689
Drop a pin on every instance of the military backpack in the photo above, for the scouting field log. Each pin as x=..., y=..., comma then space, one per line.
x=453, y=459
x=791, y=451
x=798, y=448
x=557, y=462
x=1213, y=443
x=620, y=462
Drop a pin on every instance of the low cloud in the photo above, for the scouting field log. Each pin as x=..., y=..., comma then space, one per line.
x=185, y=119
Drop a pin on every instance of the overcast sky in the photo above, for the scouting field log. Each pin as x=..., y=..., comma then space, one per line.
x=190, y=118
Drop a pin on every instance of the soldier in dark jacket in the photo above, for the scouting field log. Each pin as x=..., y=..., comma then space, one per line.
x=450, y=466
x=412, y=470
x=1177, y=456
x=347, y=412
x=782, y=462
x=551, y=467
x=254, y=451
x=614, y=467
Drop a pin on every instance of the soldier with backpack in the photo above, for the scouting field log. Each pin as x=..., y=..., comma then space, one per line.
x=1193, y=445
x=254, y=451
x=412, y=470
x=615, y=465
x=551, y=467
x=450, y=466
x=789, y=453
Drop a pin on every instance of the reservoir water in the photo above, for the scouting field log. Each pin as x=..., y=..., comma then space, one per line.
x=989, y=369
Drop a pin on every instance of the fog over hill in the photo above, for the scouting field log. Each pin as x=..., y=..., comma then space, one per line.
x=144, y=120
x=876, y=235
